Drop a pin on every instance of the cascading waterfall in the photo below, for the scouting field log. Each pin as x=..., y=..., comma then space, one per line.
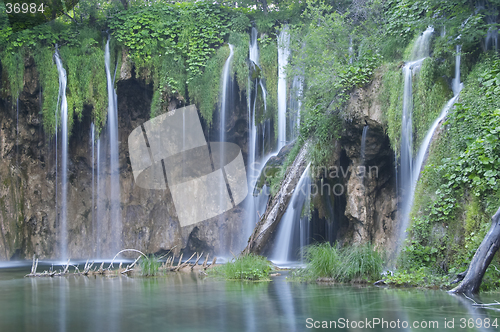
x=254, y=204
x=114, y=171
x=420, y=158
x=226, y=94
x=283, y=248
x=62, y=103
x=283, y=54
x=420, y=52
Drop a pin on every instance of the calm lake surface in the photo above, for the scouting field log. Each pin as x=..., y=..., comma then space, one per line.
x=187, y=302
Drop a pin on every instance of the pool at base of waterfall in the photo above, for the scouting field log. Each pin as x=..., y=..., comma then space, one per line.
x=190, y=302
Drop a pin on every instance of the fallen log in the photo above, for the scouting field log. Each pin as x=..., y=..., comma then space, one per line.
x=482, y=258
x=277, y=207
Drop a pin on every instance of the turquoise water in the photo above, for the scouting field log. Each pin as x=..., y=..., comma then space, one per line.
x=188, y=302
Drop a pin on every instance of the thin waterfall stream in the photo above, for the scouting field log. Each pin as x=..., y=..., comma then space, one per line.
x=63, y=104
x=363, y=144
x=114, y=167
x=226, y=95
x=255, y=204
x=283, y=248
x=283, y=54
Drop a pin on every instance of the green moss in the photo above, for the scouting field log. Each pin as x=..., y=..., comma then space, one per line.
x=87, y=82
x=13, y=64
x=49, y=81
x=269, y=66
x=204, y=90
x=430, y=94
x=240, y=68
x=391, y=99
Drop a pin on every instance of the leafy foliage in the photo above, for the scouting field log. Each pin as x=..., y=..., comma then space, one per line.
x=460, y=182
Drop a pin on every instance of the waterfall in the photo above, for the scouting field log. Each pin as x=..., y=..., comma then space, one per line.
x=351, y=51
x=491, y=40
x=252, y=170
x=363, y=144
x=226, y=92
x=295, y=105
x=422, y=45
x=283, y=248
x=114, y=167
x=420, y=158
x=257, y=158
x=253, y=49
x=456, y=84
x=406, y=159
x=283, y=54
x=62, y=103
x=420, y=52
x=92, y=145
x=226, y=95
x=99, y=200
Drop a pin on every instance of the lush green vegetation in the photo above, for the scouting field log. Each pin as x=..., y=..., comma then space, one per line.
x=358, y=263
x=459, y=189
x=246, y=267
x=181, y=58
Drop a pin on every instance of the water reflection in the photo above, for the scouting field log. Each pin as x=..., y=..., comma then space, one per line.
x=189, y=303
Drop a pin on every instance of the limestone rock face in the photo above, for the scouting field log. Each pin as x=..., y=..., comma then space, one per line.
x=371, y=195
x=28, y=192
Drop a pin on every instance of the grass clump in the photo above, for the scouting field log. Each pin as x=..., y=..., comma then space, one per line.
x=149, y=266
x=348, y=264
x=247, y=267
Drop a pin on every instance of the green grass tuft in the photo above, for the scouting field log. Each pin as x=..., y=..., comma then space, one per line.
x=149, y=265
x=341, y=264
x=247, y=267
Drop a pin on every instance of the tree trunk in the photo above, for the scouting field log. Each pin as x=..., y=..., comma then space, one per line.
x=277, y=207
x=481, y=260
x=264, y=6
